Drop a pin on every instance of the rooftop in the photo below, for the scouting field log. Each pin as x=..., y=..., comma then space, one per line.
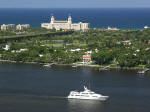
x=60, y=21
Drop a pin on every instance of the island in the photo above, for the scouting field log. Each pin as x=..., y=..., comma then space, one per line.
x=94, y=47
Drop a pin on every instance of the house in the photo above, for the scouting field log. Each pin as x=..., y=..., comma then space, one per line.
x=7, y=47
x=75, y=50
x=18, y=51
x=86, y=58
x=126, y=42
x=137, y=50
x=89, y=52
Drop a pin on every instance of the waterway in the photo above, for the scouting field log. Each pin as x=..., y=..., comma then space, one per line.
x=33, y=88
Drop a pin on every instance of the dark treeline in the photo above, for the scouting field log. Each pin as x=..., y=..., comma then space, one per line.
x=5, y=39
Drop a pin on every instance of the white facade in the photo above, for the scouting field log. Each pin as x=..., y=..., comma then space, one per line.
x=112, y=29
x=65, y=25
x=5, y=27
x=22, y=27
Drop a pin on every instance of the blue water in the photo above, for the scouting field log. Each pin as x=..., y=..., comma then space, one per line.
x=33, y=88
x=98, y=18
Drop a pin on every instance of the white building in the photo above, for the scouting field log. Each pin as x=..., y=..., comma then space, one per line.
x=75, y=50
x=7, y=47
x=146, y=27
x=112, y=29
x=22, y=27
x=5, y=27
x=65, y=25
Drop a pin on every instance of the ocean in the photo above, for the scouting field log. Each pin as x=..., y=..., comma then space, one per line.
x=123, y=18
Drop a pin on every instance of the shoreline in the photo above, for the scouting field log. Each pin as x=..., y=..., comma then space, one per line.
x=97, y=67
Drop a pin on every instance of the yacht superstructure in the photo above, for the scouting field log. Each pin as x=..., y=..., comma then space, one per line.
x=87, y=94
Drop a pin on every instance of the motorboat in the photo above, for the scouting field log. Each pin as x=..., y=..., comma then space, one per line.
x=87, y=94
x=47, y=65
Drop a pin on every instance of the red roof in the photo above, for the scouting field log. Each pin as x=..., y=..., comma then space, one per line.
x=60, y=21
x=86, y=57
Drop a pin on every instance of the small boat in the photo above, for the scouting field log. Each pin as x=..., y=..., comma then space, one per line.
x=74, y=66
x=141, y=72
x=47, y=65
x=87, y=94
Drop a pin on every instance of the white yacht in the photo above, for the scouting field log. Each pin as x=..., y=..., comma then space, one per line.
x=87, y=94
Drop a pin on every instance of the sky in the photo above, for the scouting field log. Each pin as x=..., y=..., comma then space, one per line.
x=74, y=3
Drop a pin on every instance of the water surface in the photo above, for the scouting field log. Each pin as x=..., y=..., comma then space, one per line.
x=32, y=88
x=129, y=18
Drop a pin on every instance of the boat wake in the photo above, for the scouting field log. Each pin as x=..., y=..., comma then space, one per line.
x=33, y=96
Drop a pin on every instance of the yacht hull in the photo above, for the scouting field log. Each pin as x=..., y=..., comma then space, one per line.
x=102, y=98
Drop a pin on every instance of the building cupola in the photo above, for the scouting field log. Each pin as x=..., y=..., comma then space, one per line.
x=70, y=20
x=52, y=19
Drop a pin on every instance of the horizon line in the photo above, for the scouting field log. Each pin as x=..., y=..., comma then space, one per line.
x=73, y=7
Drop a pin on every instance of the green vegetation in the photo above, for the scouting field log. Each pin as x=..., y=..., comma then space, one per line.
x=6, y=33
x=123, y=48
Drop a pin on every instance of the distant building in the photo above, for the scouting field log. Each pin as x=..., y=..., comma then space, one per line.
x=75, y=50
x=18, y=51
x=65, y=25
x=96, y=50
x=22, y=27
x=126, y=42
x=88, y=52
x=100, y=29
x=146, y=27
x=112, y=29
x=5, y=27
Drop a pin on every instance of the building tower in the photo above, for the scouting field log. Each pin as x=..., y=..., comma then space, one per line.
x=52, y=19
x=70, y=20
